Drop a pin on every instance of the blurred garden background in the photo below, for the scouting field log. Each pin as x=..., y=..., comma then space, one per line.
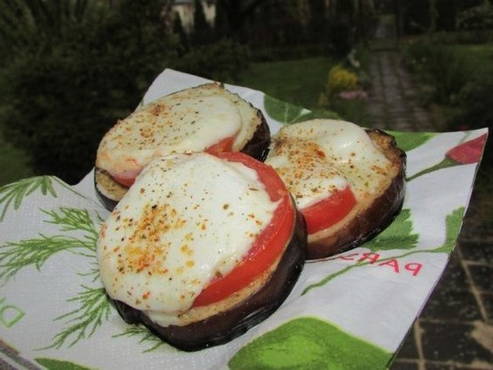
x=70, y=68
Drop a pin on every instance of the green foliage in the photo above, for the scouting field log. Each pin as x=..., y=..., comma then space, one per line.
x=461, y=78
x=180, y=32
x=341, y=79
x=317, y=26
x=298, y=82
x=202, y=31
x=63, y=91
x=36, y=24
x=221, y=61
x=478, y=17
x=14, y=163
x=449, y=73
x=439, y=66
x=399, y=235
x=221, y=21
x=475, y=100
x=309, y=343
x=340, y=34
x=52, y=364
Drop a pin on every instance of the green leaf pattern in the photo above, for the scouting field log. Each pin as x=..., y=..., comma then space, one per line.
x=16, y=255
x=145, y=335
x=93, y=305
x=288, y=113
x=398, y=235
x=12, y=195
x=309, y=343
x=452, y=229
x=52, y=364
x=93, y=309
x=408, y=141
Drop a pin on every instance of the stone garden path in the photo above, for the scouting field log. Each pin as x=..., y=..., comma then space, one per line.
x=393, y=100
x=455, y=329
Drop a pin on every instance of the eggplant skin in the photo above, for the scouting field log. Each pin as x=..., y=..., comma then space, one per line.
x=258, y=146
x=377, y=217
x=227, y=325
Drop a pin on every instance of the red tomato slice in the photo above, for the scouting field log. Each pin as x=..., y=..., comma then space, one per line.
x=125, y=181
x=225, y=145
x=329, y=211
x=269, y=244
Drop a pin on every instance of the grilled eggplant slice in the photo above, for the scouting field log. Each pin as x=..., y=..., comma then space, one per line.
x=202, y=247
x=252, y=137
x=226, y=325
x=348, y=182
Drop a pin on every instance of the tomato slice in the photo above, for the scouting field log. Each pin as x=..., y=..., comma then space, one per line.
x=125, y=181
x=268, y=245
x=329, y=211
x=225, y=145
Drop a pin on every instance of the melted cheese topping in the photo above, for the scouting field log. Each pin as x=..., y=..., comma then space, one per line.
x=318, y=157
x=176, y=229
x=173, y=124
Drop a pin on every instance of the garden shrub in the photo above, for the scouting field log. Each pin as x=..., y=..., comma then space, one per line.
x=475, y=102
x=341, y=79
x=449, y=73
x=439, y=66
x=61, y=95
x=478, y=17
x=221, y=61
x=59, y=99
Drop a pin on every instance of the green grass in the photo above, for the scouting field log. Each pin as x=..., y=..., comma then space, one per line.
x=295, y=81
x=301, y=82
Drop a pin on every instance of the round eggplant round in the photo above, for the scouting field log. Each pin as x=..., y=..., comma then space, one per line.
x=227, y=325
x=110, y=192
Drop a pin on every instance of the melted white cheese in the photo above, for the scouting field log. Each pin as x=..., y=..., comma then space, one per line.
x=318, y=157
x=173, y=124
x=187, y=219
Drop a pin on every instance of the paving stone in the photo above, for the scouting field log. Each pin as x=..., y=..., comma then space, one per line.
x=408, y=348
x=477, y=251
x=487, y=300
x=482, y=276
x=454, y=278
x=446, y=341
x=404, y=365
x=452, y=305
x=437, y=366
